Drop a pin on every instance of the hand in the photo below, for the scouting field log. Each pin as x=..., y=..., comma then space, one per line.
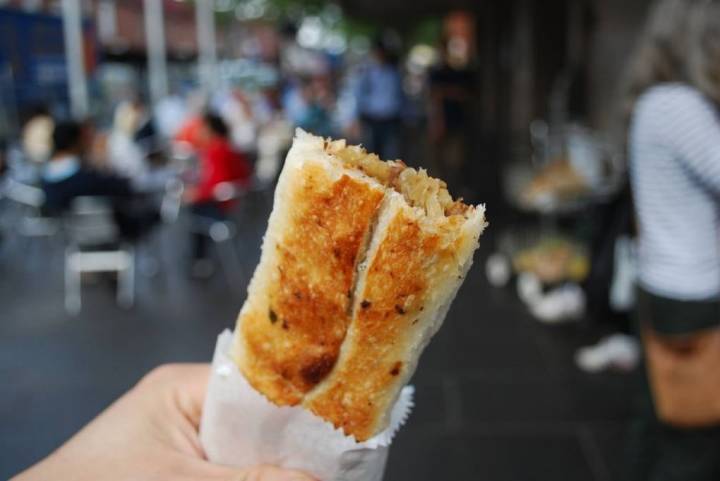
x=149, y=434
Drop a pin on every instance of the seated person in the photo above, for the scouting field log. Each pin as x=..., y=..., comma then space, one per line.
x=65, y=178
x=125, y=156
x=36, y=134
x=219, y=163
x=133, y=150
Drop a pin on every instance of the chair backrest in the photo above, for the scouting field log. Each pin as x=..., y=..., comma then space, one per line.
x=226, y=191
x=24, y=194
x=182, y=156
x=171, y=200
x=90, y=222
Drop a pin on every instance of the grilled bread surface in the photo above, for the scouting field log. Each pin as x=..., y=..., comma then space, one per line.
x=359, y=265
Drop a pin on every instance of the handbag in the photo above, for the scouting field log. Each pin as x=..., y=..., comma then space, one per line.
x=684, y=374
x=683, y=365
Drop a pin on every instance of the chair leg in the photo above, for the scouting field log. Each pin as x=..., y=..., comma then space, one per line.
x=126, y=284
x=148, y=263
x=232, y=268
x=73, y=288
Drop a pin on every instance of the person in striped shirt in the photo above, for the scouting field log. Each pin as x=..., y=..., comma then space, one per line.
x=673, y=146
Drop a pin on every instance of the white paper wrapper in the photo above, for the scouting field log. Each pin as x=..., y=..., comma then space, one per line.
x=241, y=428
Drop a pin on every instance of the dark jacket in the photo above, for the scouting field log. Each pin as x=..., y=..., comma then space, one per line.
x=60, y=194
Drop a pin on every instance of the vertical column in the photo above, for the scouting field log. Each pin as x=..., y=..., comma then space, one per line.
x=77, y=81
x=488, y=49
x=207, y=53
x=106, y=20
x=521, y=95
x=155, y=41
x=575, y=33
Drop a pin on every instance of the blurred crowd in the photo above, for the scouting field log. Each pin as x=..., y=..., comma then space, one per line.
x=203, y=152
x=215, y=146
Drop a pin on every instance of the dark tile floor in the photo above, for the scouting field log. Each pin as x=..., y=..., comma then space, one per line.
x=498, y=396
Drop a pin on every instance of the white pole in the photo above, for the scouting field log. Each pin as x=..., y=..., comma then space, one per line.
x=106, y=20
x=155, y=41
x=77, y=81
x=207, y=54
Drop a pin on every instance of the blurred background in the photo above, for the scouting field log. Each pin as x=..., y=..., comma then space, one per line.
x=141, y=142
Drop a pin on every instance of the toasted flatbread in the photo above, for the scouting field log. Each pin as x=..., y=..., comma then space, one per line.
x=298, y=308
x=360, y=263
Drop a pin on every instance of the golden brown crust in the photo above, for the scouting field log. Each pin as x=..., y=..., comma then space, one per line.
x=383, y=316
x=379, y=347
x=323, y=329
x=292, y=340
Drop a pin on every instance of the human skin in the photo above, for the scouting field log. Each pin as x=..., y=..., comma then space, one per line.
x=148, y=434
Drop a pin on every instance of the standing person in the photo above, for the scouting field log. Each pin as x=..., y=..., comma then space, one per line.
x=449, y=120
x=274, y=139
x=380, y=102
x=315, y=115
x=236, y=109
x=219, y=163
x=673, y=96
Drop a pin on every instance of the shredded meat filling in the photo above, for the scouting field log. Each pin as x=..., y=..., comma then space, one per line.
x=418, y=188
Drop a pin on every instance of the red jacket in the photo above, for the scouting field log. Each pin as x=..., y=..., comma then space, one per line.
x=220, y=163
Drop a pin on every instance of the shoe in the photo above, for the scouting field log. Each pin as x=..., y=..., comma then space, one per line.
x=562, y=304
x=529, y=288
x=498, y=270
x=618, y=351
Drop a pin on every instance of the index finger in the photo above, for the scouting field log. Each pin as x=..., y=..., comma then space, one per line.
x=187, y=383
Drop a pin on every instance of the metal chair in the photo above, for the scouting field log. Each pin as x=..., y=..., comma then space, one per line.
x=150, y=251
x=29, y=201
x=171, y=201
x=93, y=246
x=223, y=232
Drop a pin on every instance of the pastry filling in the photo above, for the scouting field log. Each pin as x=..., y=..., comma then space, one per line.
x=416, y=186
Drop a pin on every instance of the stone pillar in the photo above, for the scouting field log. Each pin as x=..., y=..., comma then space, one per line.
x=77, y=79
x=207, y=52
x=156, y=52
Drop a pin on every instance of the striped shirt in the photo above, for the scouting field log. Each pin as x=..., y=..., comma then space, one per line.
x=675, y=176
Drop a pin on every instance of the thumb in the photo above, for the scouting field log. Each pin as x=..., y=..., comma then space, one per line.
x=265, y=473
